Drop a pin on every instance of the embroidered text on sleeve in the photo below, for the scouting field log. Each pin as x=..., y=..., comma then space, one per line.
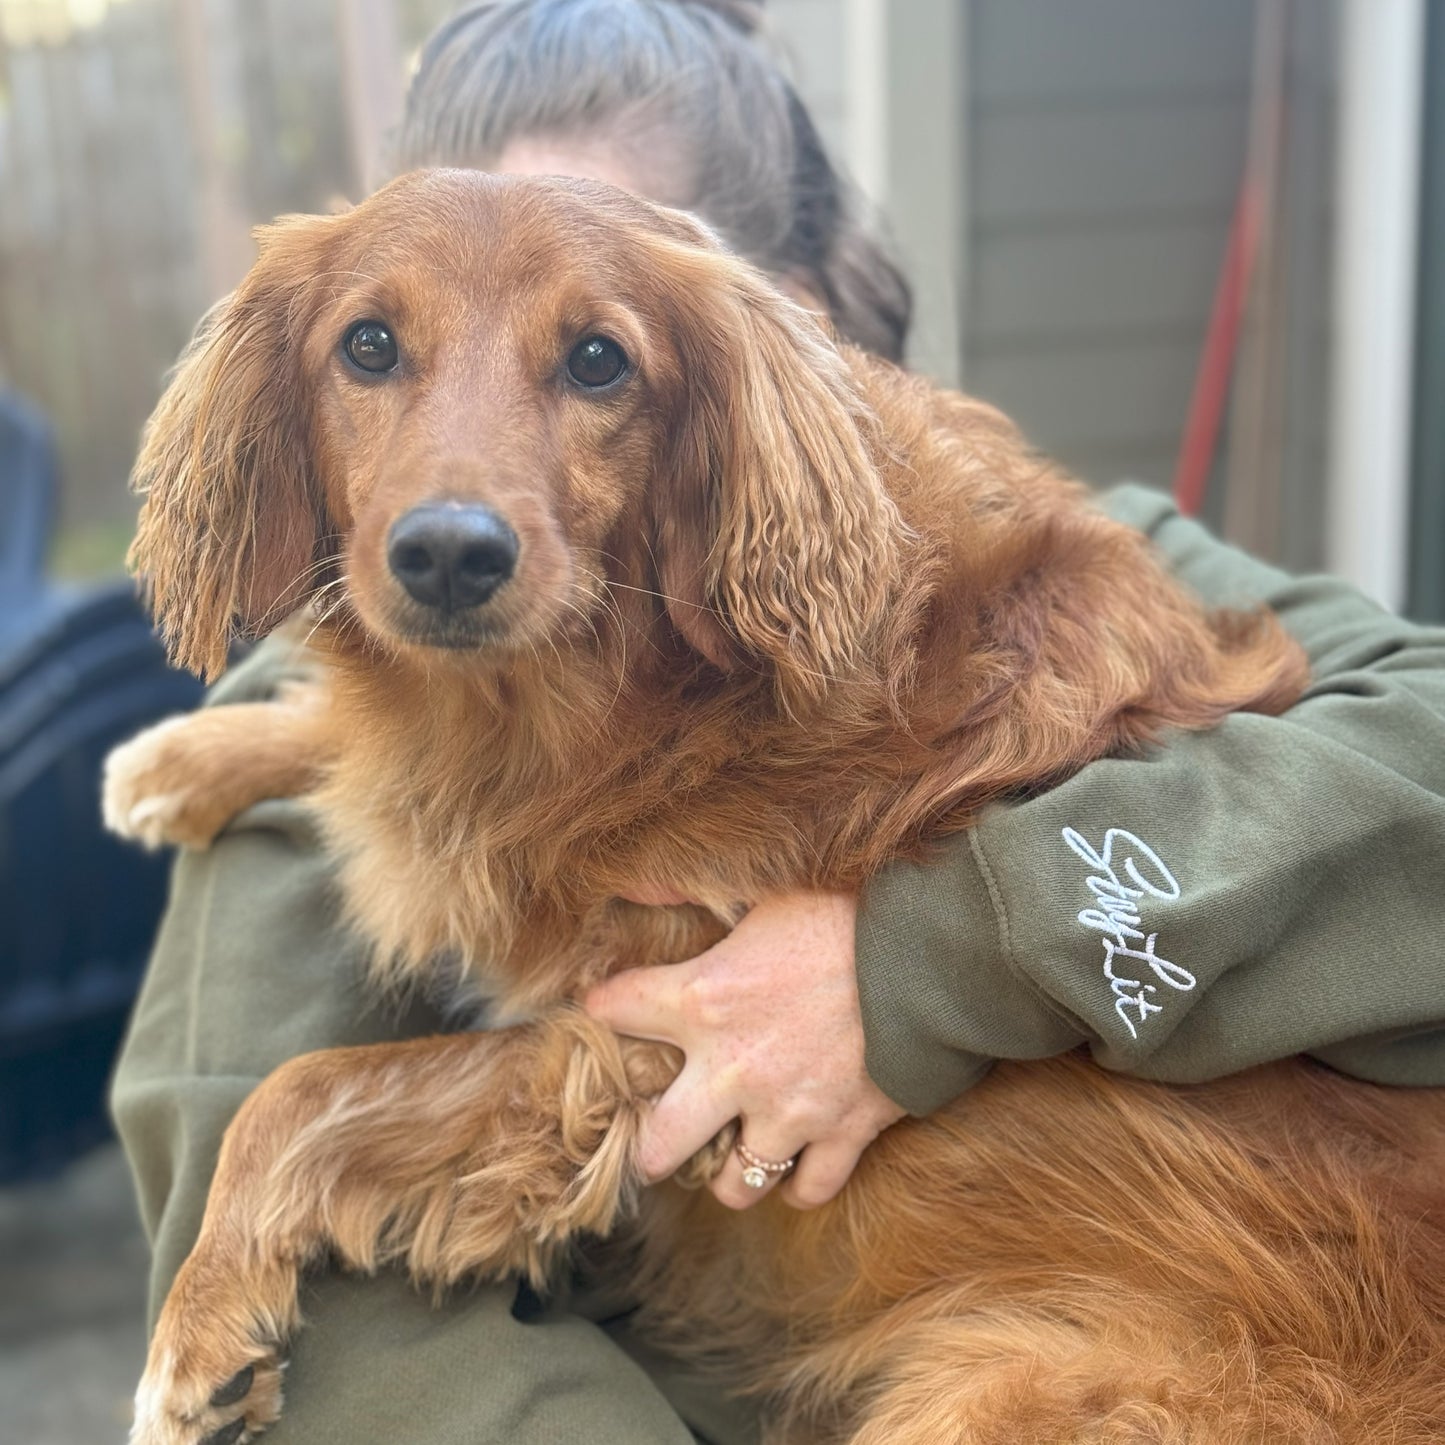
x=1116, y=917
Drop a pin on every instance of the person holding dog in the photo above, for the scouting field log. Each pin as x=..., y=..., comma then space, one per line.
x=1236, y=896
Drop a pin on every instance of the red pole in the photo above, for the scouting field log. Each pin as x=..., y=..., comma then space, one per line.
x=1216, y=363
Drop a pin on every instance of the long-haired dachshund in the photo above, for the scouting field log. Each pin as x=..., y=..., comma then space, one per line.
x=626, y=578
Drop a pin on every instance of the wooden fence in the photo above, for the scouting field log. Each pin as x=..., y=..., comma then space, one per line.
x=136, y=152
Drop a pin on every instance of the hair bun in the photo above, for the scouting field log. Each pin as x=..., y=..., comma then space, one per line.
x=744, y=15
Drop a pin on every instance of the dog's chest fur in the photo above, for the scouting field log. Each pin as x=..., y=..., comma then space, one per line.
x=505, y=828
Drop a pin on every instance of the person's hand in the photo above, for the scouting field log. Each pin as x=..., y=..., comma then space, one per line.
x=771, y=1028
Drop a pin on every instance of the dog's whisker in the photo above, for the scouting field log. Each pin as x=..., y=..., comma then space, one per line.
x=653, y=591
x=332, y=609
x=611, y=610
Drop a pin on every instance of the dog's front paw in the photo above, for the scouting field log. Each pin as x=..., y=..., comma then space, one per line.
x=156, y=790
x=213, y=1375
x=179, y=1403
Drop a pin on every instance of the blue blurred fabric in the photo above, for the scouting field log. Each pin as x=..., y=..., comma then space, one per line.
x=80, y=670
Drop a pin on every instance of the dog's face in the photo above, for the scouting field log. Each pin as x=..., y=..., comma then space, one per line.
x=475, y=411
x=488, y=390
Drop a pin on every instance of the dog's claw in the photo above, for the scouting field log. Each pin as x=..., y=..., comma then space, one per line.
x=228, y=1434
x=236, y=1388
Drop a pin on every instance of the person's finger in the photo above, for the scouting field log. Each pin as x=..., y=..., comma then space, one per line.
x=822, y=1172
x=740, y=1184
x=685, y=1118
x=645, y=1003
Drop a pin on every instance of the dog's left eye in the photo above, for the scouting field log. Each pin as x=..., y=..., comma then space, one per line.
x=371, y=346
x=596, y=362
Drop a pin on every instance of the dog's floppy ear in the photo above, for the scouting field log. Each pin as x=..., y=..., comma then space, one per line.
x=233, y=521
x=775, y=538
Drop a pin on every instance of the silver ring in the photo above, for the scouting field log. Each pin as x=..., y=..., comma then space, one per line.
x=759, y=1172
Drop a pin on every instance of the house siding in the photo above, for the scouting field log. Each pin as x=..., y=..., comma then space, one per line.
x=1102, y=147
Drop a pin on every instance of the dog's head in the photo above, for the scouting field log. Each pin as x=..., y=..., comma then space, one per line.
x=477, y=410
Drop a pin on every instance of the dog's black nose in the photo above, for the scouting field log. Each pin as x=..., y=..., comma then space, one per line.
x=451, y=557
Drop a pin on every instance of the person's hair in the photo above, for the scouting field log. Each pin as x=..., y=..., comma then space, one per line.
x=685, y=88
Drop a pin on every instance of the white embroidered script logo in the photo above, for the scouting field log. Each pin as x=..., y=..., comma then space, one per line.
x=1117, y=918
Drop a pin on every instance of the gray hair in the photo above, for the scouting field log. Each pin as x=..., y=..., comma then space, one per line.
x=686, y=88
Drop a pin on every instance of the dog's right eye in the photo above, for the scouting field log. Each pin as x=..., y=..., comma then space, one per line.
x=371, y=346
x=596, y=363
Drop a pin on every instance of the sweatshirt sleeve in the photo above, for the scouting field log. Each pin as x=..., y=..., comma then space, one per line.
x=1270, y=887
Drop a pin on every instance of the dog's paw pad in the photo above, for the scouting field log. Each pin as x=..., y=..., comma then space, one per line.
x=234, y=1390
x=173, y=1411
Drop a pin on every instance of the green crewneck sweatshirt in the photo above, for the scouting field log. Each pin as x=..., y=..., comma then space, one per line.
x=1271, y=887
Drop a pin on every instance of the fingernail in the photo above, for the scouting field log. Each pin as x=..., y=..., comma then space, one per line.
x=227, y=1434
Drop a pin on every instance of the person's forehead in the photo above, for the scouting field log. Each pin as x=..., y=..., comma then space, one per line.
x=580, y=158
x=631, y=154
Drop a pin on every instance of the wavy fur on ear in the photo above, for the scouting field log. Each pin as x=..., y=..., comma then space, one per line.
x=215, y=555
x=777, y=541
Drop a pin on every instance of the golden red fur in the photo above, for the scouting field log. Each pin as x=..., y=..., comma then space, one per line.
x=780, y=614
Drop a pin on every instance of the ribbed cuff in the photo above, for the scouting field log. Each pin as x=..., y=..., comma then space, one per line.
x=939, y=996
